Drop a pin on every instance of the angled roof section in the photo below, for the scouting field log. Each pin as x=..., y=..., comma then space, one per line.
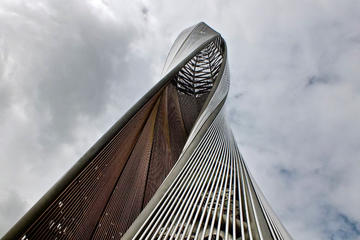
x=187, y=44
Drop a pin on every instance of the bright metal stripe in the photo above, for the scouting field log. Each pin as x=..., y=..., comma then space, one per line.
x=210, y=207
x=207, y=202
x=205, y=164
x=241, y=211
x=212, y=200
x=267, y=210
x=273, y=231
x=245, y=200
x=218, y=197
x=173, y=187
x=195, y=186
x=228, y=159
x=168, y=193
x=204, y=195
x=252, y=203
x=276, y=229
x=234, y=190
x=200, y=193
x=168, y=204
x=189, y=178
x=229, y=197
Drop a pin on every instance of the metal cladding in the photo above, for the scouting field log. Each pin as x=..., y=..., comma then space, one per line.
x=169, y=169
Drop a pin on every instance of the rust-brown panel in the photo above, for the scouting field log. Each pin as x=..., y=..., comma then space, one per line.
x=107, y=196
x=160, y=163
x=177, y=130
x=75, y=212
x=125, y=203
x=190, y=108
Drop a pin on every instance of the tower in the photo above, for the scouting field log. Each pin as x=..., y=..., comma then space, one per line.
x=168, y=169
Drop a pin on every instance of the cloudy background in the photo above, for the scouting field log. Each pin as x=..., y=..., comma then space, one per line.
x=70, y=69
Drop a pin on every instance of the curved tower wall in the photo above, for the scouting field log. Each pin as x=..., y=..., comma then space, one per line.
x=209, y=194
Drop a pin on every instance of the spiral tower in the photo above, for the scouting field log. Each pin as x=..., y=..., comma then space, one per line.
x=168, y=169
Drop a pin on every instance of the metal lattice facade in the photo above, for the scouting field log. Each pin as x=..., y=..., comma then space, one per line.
x=198, y=75
x=169, y=169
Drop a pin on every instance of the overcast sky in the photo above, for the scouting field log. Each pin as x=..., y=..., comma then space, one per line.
x=70, y=69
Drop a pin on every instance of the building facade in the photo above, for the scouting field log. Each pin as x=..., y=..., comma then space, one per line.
x=168, y=169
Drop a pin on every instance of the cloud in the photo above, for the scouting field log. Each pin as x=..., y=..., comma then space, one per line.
x=11, y=206
x=69, y=70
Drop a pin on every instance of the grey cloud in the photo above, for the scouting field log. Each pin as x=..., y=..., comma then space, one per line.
x=69, y=70
x=5, y=98
x=11, y=208
x=317, y=79
x=346, y=228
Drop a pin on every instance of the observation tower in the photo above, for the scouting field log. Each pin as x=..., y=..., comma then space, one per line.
x=168, y=169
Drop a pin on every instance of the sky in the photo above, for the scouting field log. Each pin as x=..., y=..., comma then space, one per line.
x=70, y=69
